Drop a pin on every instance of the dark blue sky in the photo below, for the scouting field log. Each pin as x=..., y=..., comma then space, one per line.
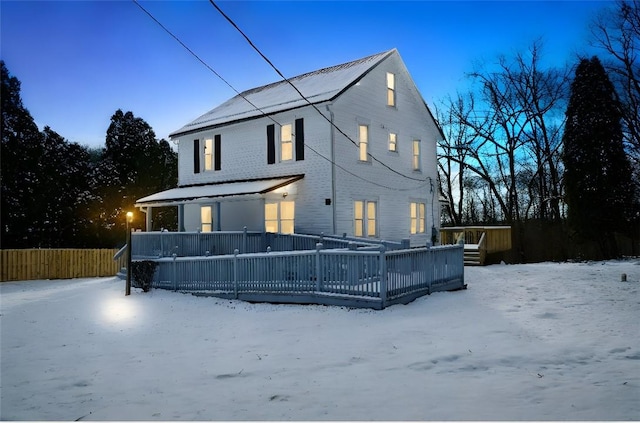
x=80, y=61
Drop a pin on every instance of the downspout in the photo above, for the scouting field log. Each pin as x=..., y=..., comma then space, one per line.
x=333, y=173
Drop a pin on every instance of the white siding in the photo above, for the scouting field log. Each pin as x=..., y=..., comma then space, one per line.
x=366, y=102
x=244, y=156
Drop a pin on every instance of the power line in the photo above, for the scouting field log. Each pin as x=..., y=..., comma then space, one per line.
x=264, y=113
x=305, y=98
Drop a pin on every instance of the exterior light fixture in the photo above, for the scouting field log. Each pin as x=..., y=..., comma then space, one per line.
x=128, y=286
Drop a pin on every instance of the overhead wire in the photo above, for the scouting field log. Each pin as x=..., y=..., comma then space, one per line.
x=305, y=98
x=267, y=115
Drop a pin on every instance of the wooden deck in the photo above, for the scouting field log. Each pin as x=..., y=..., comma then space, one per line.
x=479, y=241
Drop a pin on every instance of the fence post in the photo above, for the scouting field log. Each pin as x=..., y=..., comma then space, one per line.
x=383, y=276
x=235, y=273
x=318, y=267
x=175, y=274
x=244, y=240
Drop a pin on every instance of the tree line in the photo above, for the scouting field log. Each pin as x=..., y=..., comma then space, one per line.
x=553, y=150
x=59, y=194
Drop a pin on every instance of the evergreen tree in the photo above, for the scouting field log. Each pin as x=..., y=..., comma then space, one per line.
x=598, y=188
x=133, y=165
x=20, y=180
x=44, y=179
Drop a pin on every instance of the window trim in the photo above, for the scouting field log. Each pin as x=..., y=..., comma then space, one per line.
x=391, y=90
x=417, y=223
x=363, y=145
x=394, y=143
x=361, y=225
x=278, y=220
x=202, y=221
x=416, y=157
x=289, y=142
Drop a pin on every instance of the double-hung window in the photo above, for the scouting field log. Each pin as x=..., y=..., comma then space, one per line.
x=416, y=155
x=417, y=213
x=393, y=141
x=290, y=144
x=363, y=142
x=365, y=218
x=286, y=143
x=279, y=217
x=207, y=154
x=391, y=89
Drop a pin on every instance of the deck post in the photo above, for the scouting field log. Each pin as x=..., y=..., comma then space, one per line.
x=235, y=273
x=318, y=267
x=383, y=276
x=244, y=240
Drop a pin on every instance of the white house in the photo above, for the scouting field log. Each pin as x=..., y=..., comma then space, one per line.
x=351, y=150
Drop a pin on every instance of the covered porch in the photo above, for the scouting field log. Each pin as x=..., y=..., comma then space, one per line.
x=229, y=205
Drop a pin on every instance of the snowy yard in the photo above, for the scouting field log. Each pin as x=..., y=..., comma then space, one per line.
x=524, y=342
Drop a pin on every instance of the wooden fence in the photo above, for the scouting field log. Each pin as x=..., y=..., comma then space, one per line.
x=57, y=264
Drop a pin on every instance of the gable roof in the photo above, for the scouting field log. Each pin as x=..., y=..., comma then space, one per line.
x=317, y=86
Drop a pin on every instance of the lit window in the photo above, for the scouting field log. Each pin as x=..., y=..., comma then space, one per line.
x=279, y=217
x=417, y=211
x=391, y=89
x=393, y=141
x=208, y=154
x=206, y=222
x=416, y=154
x=364, y=218
x=287, y=213
x=363, y=136
x=286, y=143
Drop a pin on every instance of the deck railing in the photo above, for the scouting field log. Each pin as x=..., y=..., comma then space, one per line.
x=325, y=276
x=187, y=244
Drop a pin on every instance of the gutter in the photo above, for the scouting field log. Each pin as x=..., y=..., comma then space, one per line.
x=333, y=172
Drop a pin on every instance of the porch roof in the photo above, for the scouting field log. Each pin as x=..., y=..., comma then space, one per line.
x=221, y=189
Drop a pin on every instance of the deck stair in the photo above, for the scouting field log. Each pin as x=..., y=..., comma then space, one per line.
x=472, y=255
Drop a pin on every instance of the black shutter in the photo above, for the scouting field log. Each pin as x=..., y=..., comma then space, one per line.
x=271, y=144
x=299, y=139
x=196, y=156
x=216, y=149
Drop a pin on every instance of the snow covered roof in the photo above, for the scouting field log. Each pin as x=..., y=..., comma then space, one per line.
x=221, y=189
x=318, y=86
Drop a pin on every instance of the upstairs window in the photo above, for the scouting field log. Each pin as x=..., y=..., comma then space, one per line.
x=207, y=154
x=391, y=89
x=417, y=213
x=286, y=143
x=363, y=138
x=364, y=218
x=416, y=155
x=393, y=141
x=291, y=142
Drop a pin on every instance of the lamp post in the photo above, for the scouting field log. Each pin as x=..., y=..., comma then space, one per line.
x=128, y=286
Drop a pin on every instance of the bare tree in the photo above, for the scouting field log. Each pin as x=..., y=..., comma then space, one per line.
x=617, y=31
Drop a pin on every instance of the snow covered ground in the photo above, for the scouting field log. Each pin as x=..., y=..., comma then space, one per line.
x=524, y=342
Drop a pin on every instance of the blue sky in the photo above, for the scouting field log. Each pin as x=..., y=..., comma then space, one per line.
x=80, y=61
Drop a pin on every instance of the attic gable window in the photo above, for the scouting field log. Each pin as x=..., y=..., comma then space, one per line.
x=391, y=89
x=416, y=155
x=363, y=145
